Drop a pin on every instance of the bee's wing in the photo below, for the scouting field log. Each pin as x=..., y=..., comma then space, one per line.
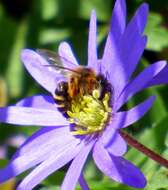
x=56, y=61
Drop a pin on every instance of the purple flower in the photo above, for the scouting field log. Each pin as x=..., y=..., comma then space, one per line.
x=55, y=144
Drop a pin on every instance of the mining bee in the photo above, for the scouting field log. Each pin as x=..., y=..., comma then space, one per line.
x=79, y=81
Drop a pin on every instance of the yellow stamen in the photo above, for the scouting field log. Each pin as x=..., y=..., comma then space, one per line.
x=89, y=113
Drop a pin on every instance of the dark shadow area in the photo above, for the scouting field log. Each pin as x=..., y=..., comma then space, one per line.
x=17, y=9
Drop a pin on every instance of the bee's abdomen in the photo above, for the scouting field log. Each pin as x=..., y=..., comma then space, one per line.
x=62, y=103
x=61, y=97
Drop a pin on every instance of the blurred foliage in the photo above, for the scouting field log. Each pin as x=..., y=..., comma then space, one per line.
x=10, y=185
x=3, y=92
x=156, y=33
x=44, y=24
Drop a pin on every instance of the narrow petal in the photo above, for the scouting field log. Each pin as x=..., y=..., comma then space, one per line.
x=53, y=163
x=38, y=101
x=126, y=118
x=117, y=168
x=132, y=42
x=160, y=78
x=92, y=44
x=47, y=77
x=140, y=18
x=82, y=182
x=139, y=82
x=19, y=165
x=117, y=27
x=109, y=134
x=118, y=20
x=37, y=142
x=36, y=150
x=117, y=146
x=113, y=142
x=76, y=167
x=31, y=116
x=122, y=57
x=66, y=53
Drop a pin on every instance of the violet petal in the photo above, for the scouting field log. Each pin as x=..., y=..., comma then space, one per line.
x=117, y=146
x=37, y=66
x=76, y=167
x=160, y=78
x=139, y=19
x=53, y=163
x=132, y=41
x=126, y=118
x=139, y=82
x=123, y=57
x=114, y=143
x=37, y=141
x=117, y=26
x=17, y=166
x=92, y=44
x=38, y=101
x=32, y=116
x=117, y=168
x=118, y=19
x=83, y=183
x=68, y=58
x=28, y=156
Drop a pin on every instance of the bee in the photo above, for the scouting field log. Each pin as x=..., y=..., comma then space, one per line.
x=79, y=81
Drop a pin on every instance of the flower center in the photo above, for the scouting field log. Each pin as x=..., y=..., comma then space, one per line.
x=89, y=113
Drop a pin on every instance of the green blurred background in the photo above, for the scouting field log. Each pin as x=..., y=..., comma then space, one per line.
x=44, y=24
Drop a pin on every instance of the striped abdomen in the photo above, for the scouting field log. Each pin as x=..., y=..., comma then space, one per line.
x=61, y=97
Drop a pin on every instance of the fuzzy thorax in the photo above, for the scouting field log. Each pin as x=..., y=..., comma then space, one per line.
x=89, y=113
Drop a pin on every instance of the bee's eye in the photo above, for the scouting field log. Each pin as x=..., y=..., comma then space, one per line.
x=61, y=86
